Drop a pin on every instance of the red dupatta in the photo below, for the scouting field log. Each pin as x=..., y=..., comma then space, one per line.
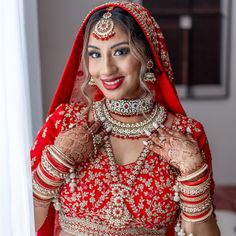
x=164, y=86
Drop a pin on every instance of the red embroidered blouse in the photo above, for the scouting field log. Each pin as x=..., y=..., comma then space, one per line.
x=151, y=203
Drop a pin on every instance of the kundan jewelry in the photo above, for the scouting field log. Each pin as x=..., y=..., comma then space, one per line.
x=91, y=81
x=129, y=130
x=104, y=27
x=116, y=212
x=149, y=76
x=126, y=107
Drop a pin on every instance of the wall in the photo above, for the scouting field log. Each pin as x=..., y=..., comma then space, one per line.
x=59, y=21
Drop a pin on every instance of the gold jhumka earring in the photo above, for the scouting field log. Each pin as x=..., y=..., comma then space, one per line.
x=91, y=81
x=104, y=27
x=149, y=76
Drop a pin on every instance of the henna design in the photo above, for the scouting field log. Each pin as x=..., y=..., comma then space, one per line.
x=77, y=143
x=180, y=150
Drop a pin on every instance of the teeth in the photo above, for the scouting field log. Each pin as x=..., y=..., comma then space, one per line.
x=113, y=82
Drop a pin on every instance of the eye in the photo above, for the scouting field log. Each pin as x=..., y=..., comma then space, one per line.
x=121, y=51
x=94, y=54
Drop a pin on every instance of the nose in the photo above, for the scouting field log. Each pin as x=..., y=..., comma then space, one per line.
x=108, y=66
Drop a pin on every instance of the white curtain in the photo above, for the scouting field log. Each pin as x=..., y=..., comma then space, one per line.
x=16, y=212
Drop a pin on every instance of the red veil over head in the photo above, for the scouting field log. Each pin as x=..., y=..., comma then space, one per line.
x=68, y=89
x=165, y=92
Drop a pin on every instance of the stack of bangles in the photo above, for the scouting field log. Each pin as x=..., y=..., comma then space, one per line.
x=195, y=201
x=50, y=174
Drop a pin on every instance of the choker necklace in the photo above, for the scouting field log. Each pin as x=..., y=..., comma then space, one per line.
x=129, y=130
x=131, y=107
x=116, y=213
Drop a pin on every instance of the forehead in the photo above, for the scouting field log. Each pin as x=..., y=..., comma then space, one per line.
x=120, y=36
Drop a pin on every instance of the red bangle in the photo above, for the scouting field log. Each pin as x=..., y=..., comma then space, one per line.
x=197, y=216
x=197, y=182
x=40, y=199
x=191, y=196
x=57, y=165
x=48, y=175
x=196, y=202
x=41, y=183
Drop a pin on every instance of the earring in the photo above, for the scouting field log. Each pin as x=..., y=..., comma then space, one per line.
x=149, y=76
x=91, y=82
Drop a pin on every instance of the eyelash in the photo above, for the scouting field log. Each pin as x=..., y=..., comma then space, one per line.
x=124, y=51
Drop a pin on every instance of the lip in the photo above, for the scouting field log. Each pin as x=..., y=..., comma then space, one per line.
x=113, y=83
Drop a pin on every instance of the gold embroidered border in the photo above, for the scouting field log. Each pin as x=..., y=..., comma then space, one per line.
x=85, y=227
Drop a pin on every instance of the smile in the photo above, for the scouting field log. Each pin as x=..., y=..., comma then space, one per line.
x=113, y=83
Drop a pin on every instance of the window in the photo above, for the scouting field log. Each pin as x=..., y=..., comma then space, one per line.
x=197, y=35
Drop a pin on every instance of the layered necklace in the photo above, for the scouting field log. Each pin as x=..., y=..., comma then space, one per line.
x=116, y=212
x=129, y=130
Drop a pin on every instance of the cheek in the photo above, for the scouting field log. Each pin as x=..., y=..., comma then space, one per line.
x=92, y=68
x=133, y=66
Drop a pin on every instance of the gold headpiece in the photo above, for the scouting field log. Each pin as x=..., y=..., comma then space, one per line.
x=104, y=27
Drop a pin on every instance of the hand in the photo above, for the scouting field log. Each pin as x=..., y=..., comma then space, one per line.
x=78, y=143
x=180, y=150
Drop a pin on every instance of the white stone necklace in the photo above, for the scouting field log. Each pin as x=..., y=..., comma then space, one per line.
x=129, y=130
x=116, y=213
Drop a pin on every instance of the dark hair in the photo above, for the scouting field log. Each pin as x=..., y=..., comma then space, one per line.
x=126, y=22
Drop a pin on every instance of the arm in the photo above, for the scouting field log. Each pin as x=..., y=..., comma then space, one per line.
x=58, y=159
x=206, y=228
x=189, y=153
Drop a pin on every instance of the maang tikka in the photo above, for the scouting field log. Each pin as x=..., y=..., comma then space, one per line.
x=149, y=76
x=104, y=28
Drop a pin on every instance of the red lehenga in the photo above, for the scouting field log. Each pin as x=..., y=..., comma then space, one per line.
x=151, y=204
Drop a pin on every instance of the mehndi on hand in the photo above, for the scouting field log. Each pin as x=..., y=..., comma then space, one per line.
x=80, y=142
x=178, y=149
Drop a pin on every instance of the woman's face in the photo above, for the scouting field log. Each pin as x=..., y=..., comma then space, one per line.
x=112, y=66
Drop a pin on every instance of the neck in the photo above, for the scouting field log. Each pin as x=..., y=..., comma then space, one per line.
x=129, y=119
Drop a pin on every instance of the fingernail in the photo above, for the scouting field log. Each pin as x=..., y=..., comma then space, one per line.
x=147, y=132
x=145, y=142
x=155, y=125
x=108, y=129
x=106, y=137
x=103, y=119
x=189, y=130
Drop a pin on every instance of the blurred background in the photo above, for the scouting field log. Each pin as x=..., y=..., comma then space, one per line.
x=201, y=38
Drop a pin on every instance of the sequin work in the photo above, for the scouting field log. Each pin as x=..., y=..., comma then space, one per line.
x=149, y=208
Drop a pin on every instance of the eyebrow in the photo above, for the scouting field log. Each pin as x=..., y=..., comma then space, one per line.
x=113, y=46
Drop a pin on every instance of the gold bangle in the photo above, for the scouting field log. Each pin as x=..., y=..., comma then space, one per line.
x=62, y=155
x=194, y=174
x=40, y=189
x=194, y=192
x=41, y=203
x=201, y=219
x=194, y=199
x=46, y=180
x=196, y=208
x=52, y=169
x=58, y=159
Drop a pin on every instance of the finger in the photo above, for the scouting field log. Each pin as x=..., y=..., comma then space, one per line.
x=157, y=149
x=95, y=127
x=190, y=137
x=163, y=135
x=154, y=138
x=100, y=139
x=174, y=133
